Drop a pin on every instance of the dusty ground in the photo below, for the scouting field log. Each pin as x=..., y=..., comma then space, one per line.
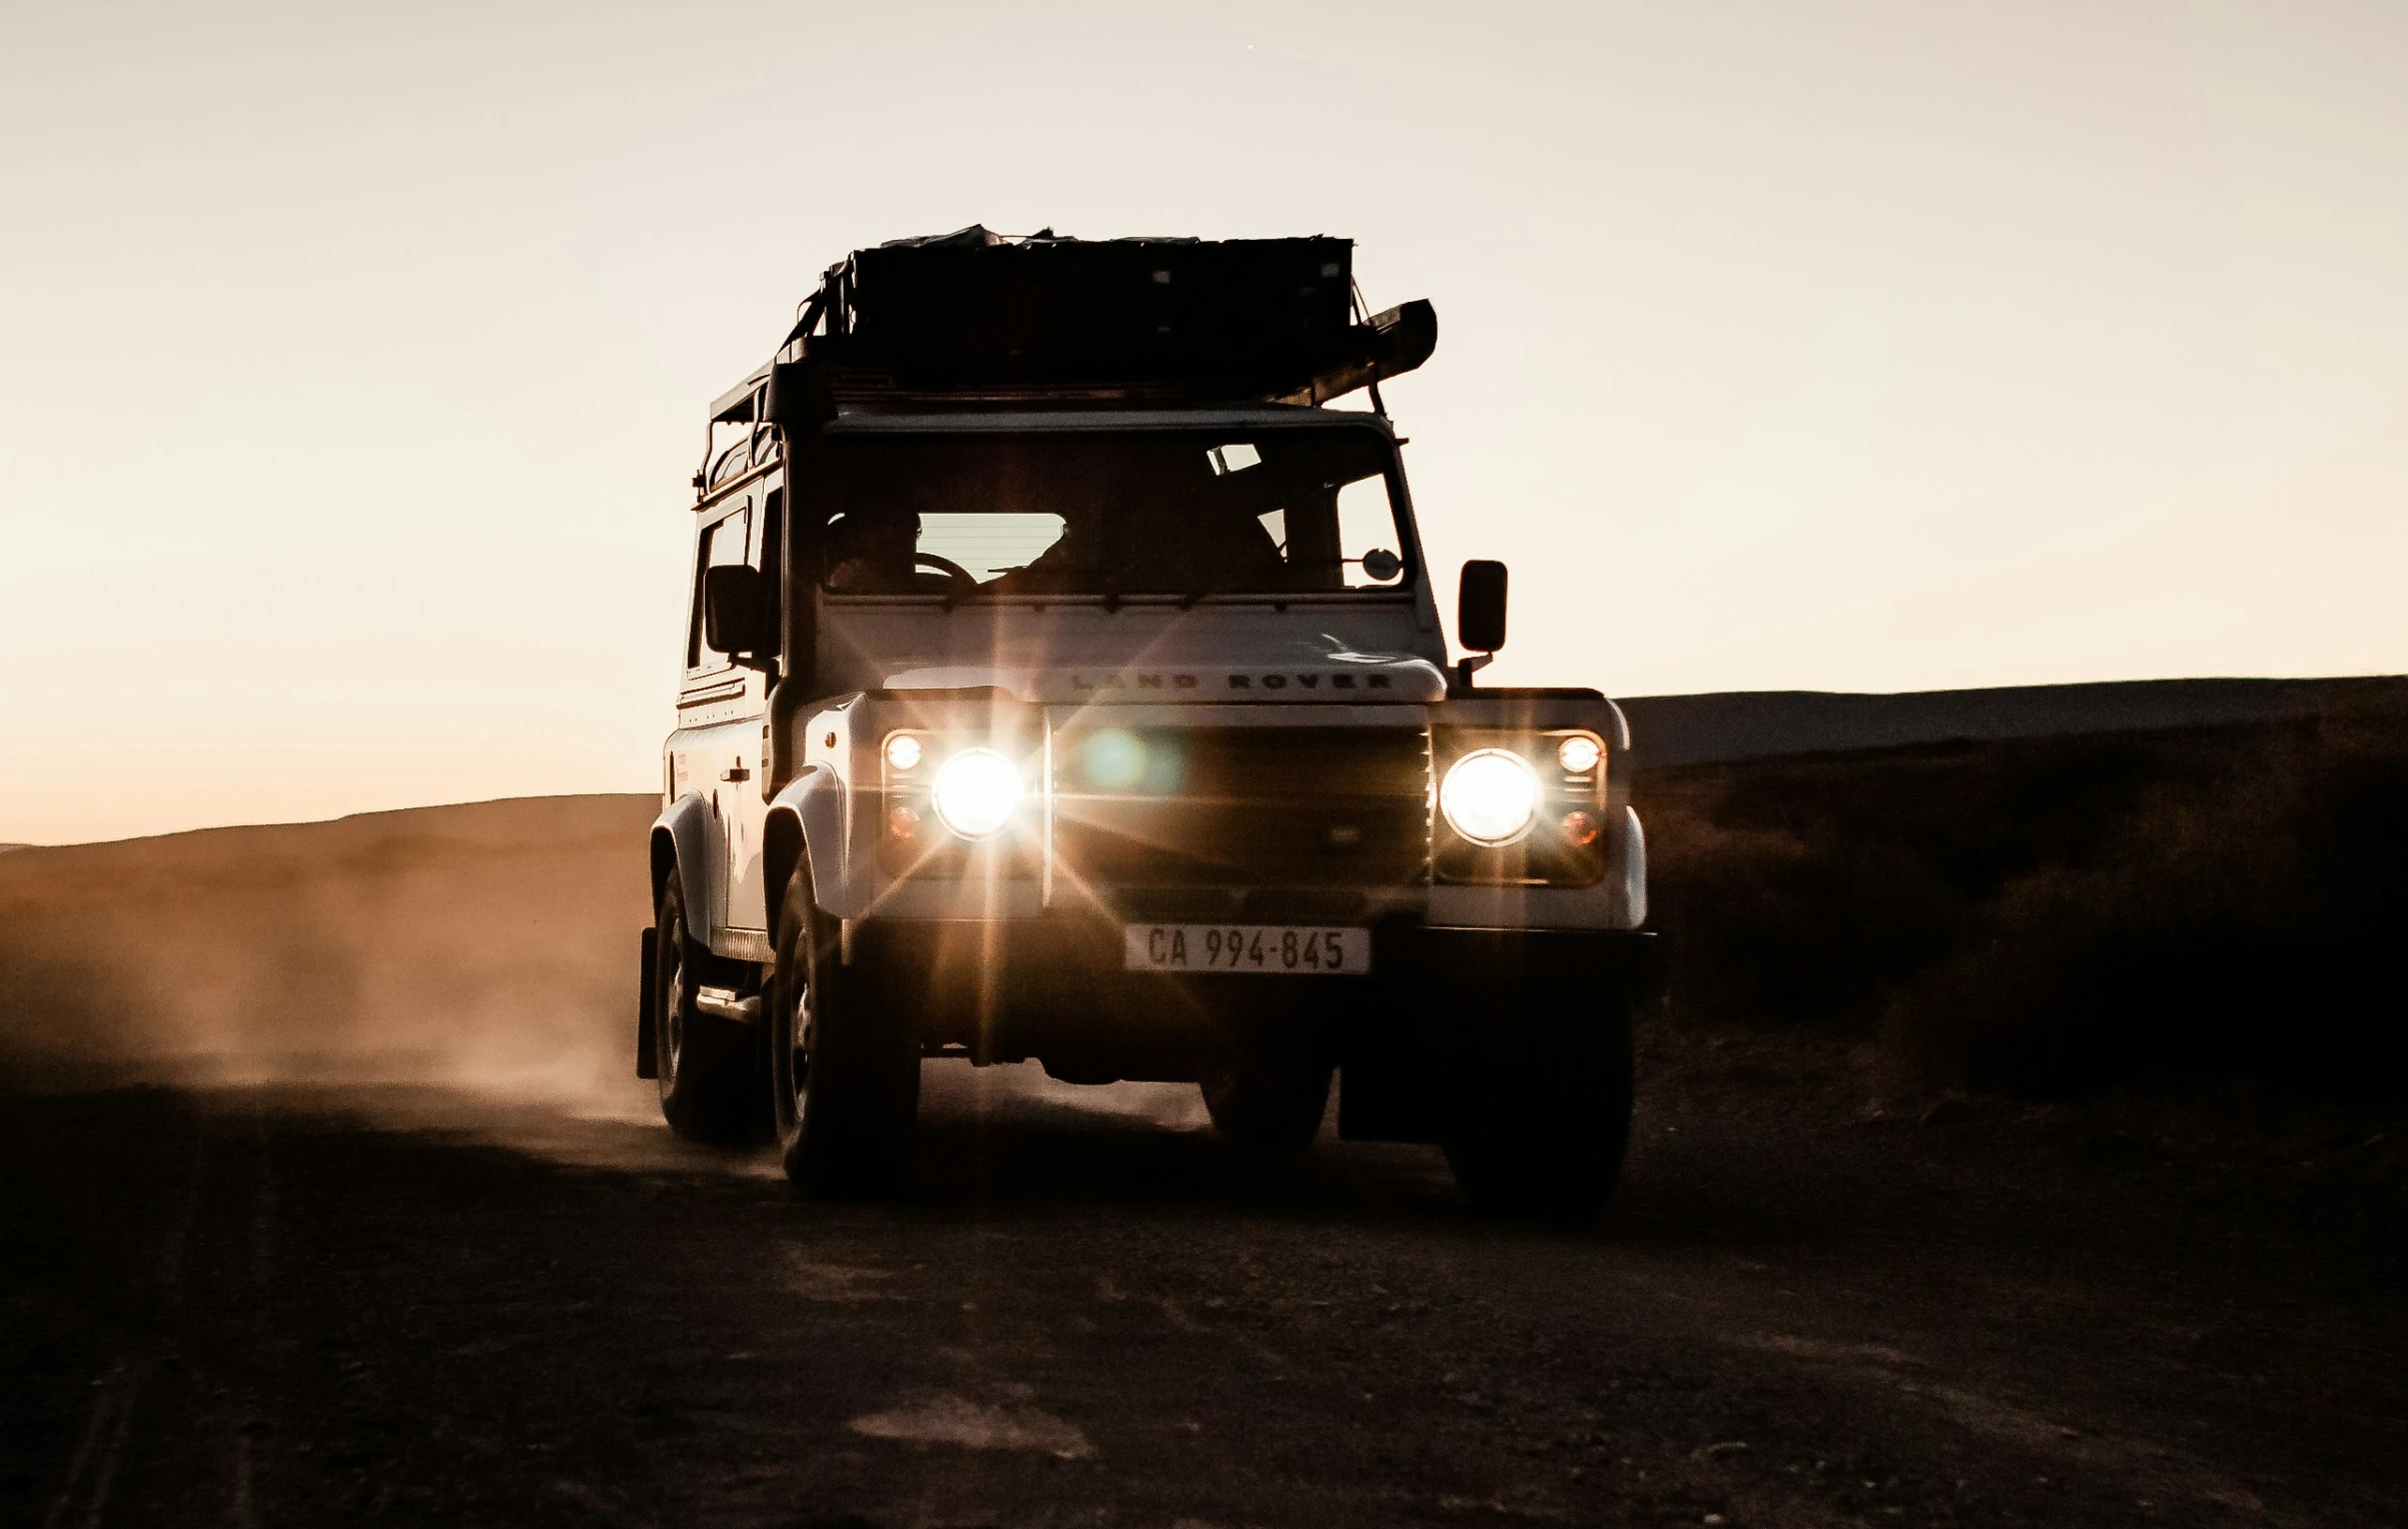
x=333, y=1306
x=496, y=1291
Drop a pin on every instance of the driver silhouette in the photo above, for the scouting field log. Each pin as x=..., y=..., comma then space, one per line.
x=872, y=553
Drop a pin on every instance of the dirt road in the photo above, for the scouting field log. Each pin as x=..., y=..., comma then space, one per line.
x=318, y=1306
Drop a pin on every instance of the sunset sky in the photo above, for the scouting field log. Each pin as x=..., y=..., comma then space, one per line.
x=352, y=361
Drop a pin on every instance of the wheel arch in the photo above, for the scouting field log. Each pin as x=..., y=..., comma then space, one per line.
x=677, y=843
x=806, y=827
x=680, y=842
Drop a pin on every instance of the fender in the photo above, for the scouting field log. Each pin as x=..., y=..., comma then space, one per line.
x=806, y=820
x=1629, y=876
x=681, y=838
x=1628, y=872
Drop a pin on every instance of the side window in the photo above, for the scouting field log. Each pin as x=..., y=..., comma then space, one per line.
x=723, y=542
x=737, y=459
x=768, y=556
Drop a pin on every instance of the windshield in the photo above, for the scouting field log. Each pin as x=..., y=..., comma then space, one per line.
x=1185, y=513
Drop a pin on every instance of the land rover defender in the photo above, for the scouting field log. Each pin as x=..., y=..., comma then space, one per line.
x=1063, y=680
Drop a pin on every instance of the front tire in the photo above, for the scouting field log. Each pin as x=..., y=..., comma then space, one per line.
x=1267, y=1094
x=844, y=1070
x=707, y=1069
x=1542, y=1114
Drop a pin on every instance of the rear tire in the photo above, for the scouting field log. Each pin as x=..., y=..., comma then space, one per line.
x=1541, y=1116
x=707, y=1068
x=844, y=1070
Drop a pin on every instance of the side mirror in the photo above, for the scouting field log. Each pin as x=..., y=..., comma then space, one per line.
x=1479, y=619
x=737, y=611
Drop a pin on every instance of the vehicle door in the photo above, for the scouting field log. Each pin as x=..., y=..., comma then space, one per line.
x=718, y=708
x=745, y=782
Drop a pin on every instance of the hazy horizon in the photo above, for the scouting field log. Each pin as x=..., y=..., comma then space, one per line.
x=357, y=360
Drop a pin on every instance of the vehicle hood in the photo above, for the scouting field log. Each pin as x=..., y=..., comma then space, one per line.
x=1323, y=671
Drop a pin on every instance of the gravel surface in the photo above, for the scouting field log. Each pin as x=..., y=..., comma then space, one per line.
x=342, y=1304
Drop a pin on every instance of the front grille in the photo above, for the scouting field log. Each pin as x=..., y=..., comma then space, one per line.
x=1241, y=807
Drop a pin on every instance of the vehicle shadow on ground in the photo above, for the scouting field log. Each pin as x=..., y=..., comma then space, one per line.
x=997, y=1148
x=1016, y=1157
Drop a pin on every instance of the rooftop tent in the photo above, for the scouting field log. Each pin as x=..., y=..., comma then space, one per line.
x=1238, y=312
x=976, y=311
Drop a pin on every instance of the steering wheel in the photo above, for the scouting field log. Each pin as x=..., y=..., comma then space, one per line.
x=961, y=579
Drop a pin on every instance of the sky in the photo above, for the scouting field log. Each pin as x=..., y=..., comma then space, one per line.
x=352, y=359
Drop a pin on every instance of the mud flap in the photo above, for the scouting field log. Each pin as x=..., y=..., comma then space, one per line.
x=645, y=1018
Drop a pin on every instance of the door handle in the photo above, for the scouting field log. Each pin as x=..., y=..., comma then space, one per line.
x=736, y=773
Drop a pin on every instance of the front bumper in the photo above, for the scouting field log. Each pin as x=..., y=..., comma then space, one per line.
x=1009, y=989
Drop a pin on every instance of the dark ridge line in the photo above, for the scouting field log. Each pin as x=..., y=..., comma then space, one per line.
x=1739, y=724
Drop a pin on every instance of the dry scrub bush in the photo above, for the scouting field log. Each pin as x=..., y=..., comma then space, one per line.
x=2051, y=917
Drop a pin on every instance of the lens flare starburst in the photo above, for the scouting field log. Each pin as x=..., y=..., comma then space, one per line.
x=977, y=791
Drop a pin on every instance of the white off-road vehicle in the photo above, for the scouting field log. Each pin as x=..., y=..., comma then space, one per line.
x=1065, y=681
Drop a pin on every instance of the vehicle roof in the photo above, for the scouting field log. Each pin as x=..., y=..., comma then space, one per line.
x=1029, y=421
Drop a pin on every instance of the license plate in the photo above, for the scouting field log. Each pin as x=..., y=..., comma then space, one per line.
x=1276, y=950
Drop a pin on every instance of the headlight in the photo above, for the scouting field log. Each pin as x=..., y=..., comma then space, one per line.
x=976, y=793
x=1489, y=796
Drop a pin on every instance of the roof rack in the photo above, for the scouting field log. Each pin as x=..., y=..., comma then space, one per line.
x=978, y=317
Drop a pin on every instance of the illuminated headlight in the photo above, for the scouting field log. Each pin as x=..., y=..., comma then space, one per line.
x=1489, y=796
x=977, y=791
x=1578, y=754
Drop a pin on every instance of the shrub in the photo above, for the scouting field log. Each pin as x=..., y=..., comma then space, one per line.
x=2049, y=917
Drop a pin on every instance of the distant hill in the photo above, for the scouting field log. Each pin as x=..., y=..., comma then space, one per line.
x=506, y=823
x=1738, y=724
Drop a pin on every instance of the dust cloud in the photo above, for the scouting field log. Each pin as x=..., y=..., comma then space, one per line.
x=490, y=946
